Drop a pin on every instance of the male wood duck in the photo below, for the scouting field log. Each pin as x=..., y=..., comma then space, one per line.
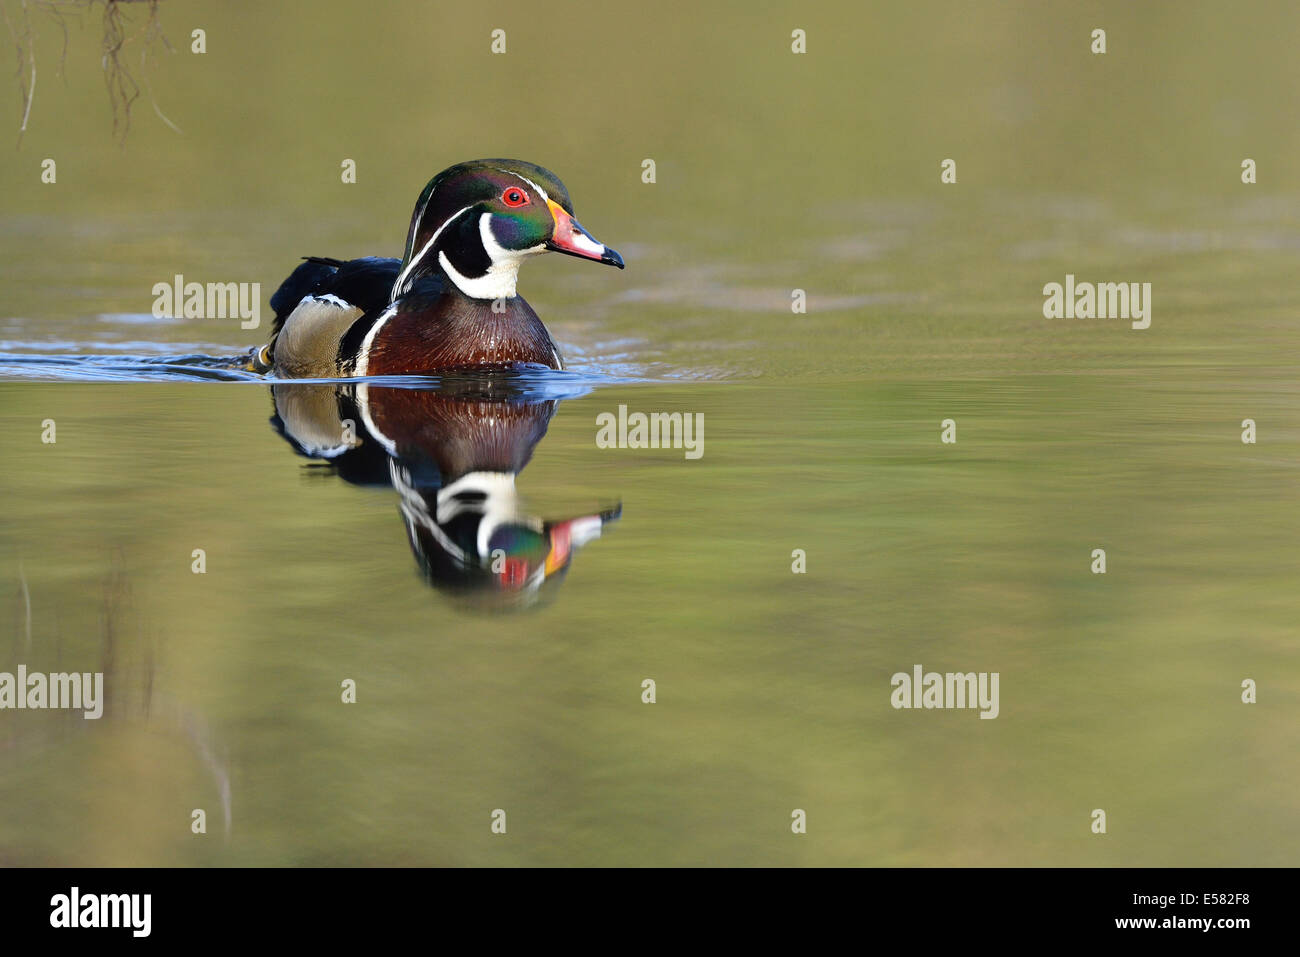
x=450, y=303
x=452, y=454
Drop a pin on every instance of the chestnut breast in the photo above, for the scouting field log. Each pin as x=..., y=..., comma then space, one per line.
x=449, y=332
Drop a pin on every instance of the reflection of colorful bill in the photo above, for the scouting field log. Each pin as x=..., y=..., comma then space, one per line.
x=531, y=556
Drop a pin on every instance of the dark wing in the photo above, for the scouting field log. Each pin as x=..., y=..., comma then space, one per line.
x=364, y=283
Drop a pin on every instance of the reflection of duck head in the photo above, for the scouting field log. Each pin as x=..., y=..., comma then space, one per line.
x=452, y=454
x=473, y=538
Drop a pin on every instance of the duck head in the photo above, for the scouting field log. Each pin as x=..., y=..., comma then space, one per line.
x=477, y=222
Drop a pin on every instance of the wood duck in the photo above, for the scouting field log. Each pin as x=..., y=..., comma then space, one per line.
x=452, y=454
x=450, y=303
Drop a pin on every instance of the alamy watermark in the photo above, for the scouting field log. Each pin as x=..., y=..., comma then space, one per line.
x=653, y=430
x=215, y=300
x=76, y=909
x=1103, y=300
x=36, y=690
x=930, y=689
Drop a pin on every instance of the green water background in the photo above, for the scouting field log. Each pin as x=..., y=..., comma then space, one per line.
x=775, y=171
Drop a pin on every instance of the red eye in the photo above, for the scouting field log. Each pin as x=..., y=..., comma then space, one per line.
x=514, y=196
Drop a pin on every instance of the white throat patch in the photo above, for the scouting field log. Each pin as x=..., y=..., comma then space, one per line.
x=500, y=279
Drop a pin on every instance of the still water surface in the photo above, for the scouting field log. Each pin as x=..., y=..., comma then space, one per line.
x=822, y=433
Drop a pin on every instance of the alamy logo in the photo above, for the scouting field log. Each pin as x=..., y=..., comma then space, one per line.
x=656, y=430
x=217, y=300
x=952, y=690
x=82, y=690
x=102, y=910
x=1104, y=300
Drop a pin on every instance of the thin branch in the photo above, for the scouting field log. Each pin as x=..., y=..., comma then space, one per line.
x=122, y=86
x=27, y=607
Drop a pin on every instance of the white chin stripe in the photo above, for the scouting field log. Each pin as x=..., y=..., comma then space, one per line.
x=500, y=279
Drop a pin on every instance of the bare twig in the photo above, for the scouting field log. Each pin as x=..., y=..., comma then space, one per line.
x=123, y=87
x=27, y=609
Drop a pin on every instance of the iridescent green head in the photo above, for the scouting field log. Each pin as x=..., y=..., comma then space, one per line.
x=476, y=222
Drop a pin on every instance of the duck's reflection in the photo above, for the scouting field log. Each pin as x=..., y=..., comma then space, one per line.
x=452, y=454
